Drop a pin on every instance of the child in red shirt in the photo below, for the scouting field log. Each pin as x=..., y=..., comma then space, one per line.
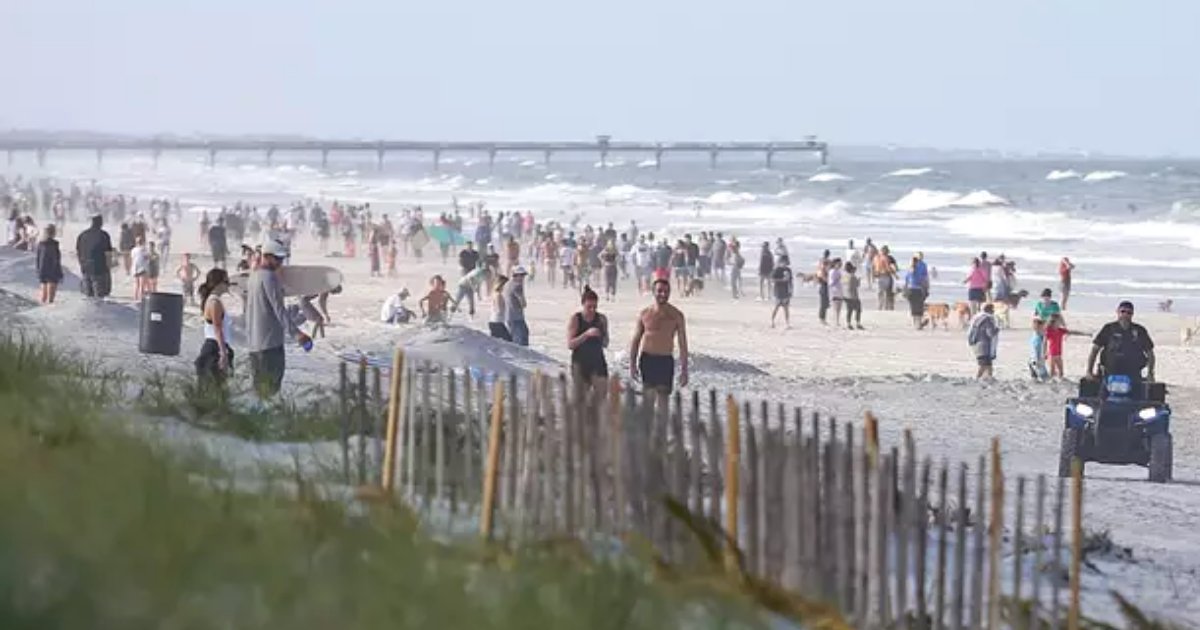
x=1055, y=333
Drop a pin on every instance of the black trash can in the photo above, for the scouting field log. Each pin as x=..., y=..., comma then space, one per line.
x=162, y=324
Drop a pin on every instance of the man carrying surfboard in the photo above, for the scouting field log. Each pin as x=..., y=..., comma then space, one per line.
x=267, y=322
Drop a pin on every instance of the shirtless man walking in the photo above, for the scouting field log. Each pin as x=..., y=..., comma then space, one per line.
x=651, y=354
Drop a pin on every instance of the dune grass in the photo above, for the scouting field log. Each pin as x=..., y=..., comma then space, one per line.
x=101, y=531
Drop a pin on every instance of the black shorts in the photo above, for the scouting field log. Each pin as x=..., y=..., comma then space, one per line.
x=587, y=370
x=657, y=370
x=976, y=295
x=266, y=371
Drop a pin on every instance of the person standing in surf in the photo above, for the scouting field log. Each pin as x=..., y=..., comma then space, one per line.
x=652, y=351
x=267, y=322
x=1065, y=269
x=587, y=337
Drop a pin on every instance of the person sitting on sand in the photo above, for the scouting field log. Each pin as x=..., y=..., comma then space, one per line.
x=187, y=273
x=394, y=311
x=651, y=352
x=438, y=300
x=587, y=337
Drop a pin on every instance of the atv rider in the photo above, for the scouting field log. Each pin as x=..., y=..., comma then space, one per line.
x=1126, y=346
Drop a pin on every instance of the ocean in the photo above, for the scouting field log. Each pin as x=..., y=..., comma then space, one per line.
x=1131, y=227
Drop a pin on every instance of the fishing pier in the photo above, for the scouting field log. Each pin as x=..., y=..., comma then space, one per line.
x=603, y=146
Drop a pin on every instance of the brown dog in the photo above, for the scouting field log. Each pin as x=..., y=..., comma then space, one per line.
x=938, y=312
x=963, y=311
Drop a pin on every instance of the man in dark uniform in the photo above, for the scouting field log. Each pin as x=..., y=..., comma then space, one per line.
x=93, y=247
x=1125, y=348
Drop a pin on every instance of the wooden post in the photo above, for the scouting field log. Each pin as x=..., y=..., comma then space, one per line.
x=904, y=529
x=751, y=503
x=695, y=472
x=468, y=439
x=1019, y=542
x=617, y=436
x=1076, y=541
x=733, y=456
x=716, y=451
x=395, y=403
x=883, y=506
x=849, y=524
x=361, y=414
x=1056, y=555
x=1039, y=519
x=488, y=511
x=939, y=584
x=410, y=429
x=921, y=522
x=423, y=437
x=439, y=439
x=456, y=480
x=344, y=419
x=978, y=557
x=958, y=589
x=863, y=611
x=568, y=457
x=762, y=487
x=379, y=417
x=996, y=538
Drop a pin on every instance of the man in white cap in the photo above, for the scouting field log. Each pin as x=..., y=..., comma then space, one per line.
x=514, y=306
x=94, y=248
x=267, y=321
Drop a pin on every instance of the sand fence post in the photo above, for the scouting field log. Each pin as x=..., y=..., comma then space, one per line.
x=567, y=458
x=716, y=455
x=410, y=428
x=979, y=549
x=921, y=523
x=733, y=457
x=1039, y=521
x=750, y=496
x=1056, y=554
x=488, y=499
x=378, y=417
x=695, y=471
x=1076, y=542
x=455, y=472
x=847, y=540
x=395, y=404
x=344, y=419
x=996, y=539
x=943, y=511
x=1018, y=545
x=958, y=589
x=361, y=414
x=904, y=522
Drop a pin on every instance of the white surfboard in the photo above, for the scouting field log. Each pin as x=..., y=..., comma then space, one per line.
x=299, y=280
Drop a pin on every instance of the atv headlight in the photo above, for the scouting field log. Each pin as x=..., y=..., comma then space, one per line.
x=1084, y=410
x=1149, y=413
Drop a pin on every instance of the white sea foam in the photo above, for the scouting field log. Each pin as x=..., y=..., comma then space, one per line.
x=1057, y=175
x=980, y=199
x=1103, y=176
x=647, y=164
x=910, y=172
x=528, y=163
x=829, y=176
x=729, y=196
x=921, y=200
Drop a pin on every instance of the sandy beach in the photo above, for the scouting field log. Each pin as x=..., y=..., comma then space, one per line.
x=918, y=380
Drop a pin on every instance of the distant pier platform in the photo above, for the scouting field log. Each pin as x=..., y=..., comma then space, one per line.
x=603, y=146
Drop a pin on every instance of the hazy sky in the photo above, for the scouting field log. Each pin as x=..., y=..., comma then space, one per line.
x=1111, y=75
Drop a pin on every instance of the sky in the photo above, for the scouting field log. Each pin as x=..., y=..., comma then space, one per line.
x=1018, y=75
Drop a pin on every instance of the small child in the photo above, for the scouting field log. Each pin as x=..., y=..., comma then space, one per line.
x=152, y=270
x=1037, y=351
x=1055, y=333
x=187, y=273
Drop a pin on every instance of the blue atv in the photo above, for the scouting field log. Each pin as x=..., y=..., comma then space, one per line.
x=1116, y=421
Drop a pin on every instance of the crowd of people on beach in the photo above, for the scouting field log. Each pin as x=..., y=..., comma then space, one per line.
x=505, y=253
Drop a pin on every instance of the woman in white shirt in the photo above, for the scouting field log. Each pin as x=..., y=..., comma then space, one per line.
x=496, y=323
x=836, y=294
x=216, y=356
x=141, y=269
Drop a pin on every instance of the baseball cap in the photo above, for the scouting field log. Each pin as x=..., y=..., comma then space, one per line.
x=1125, y=305
x=275, y=247
x=520, y=271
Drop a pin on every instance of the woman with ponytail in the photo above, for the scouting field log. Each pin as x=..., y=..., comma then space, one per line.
x=587, y=337
x=216, y=357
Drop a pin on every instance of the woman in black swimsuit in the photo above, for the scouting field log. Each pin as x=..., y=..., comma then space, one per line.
x=587, y=337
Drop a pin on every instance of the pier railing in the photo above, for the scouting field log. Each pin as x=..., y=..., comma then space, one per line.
x=801, y=502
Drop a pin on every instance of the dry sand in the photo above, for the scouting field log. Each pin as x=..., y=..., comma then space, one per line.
x=912, y=380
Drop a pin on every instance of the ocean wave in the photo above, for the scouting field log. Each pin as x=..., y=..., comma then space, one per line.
x=1056, y=175
x=1189, y=208
x=624, y=191
x=829, y=176
x=528, y=163
x=923, y=200
x=1103, y=176
x=910, y=172
x=647, y=164
x=729, y=196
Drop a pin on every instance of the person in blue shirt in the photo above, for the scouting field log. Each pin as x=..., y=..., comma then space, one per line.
x=916, y=288
x=1037, y=351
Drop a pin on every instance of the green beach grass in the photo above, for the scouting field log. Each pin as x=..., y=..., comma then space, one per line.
x=101, y=531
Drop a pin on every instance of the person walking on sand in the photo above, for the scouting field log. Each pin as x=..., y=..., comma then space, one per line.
x=822, y=276
x=1037, y=351
x=141, y=269
x=267, y=322
x=885, y=279
x=49, y=265
x=94, y=248
x=514, y=307
x=915, y=286
x=217, y=243
x=652, y=350
x=587, y=337
x=215, y=361
x=983, y=336
x=737, y=262
x=853, y=303
x=977, y=284
x=188, y=272
x=766, y=265
x=1066, y=269
x=608, y=264
x=496, y=325
x=784, y=286
x=836, y=294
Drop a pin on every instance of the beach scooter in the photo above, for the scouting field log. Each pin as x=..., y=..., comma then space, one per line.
x=1115, y=421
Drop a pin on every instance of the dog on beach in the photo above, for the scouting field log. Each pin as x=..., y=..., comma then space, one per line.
x=938, y=313
x=694, y=287
x=1165, y=306
x=1003, y=313
x=963, y=311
